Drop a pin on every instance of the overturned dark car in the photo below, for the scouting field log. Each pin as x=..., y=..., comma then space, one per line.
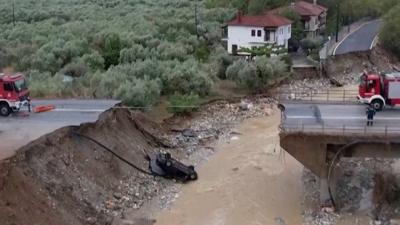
x=164, y=165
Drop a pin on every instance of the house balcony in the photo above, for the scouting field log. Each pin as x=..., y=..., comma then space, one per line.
x=261, y=42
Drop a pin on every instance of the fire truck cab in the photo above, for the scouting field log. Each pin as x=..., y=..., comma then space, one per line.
x=14, y=93
x=379, y=90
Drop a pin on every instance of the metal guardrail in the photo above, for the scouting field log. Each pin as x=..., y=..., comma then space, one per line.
x=340, y=130
x=327, y=96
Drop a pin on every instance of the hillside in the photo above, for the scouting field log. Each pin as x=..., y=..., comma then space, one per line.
x=133, y=50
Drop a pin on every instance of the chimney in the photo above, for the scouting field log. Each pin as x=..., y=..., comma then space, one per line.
x=315, y=2
x=239, y=16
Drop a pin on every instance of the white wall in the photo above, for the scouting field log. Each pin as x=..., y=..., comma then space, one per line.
x=284, y=33
x=241, y=36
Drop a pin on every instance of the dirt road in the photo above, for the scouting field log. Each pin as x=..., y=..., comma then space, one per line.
x=248, y=181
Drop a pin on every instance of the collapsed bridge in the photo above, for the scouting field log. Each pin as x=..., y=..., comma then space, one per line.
x=318, y=135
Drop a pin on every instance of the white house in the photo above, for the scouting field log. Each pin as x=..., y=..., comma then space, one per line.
x=256, y=31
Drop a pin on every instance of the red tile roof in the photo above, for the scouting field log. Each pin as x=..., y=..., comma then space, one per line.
x=266, y=20
x=303, y=8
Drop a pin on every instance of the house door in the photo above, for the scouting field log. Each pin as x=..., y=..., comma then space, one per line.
x=267, y=35
x=234, y=49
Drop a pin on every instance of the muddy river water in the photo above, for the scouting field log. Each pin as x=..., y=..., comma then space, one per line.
x=248, y=181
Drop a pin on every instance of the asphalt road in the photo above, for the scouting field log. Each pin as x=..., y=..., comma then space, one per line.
x=21, y=128
x=359, y=40
x=336, y=117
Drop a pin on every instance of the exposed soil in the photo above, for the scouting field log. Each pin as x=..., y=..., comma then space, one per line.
x=347, y=68
x=63, y=179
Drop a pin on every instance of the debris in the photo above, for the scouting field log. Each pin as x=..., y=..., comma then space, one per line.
x=117, y=195
x=188, y=133
x=43, y=108
x=164, y=165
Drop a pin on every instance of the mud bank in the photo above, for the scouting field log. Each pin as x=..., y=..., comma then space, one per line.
x=64, y=179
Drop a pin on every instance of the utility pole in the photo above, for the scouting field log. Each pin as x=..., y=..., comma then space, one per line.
x=196, y=20
x=13, y=12
x=337, y=21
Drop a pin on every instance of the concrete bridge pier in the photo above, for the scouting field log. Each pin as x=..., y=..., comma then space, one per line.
x=319, y=152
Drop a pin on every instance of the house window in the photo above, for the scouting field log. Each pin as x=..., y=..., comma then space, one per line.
x=258, y=33
x=288, y=30
x=234, y=49
x=253, y=33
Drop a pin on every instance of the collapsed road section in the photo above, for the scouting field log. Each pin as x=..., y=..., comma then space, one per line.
x=62, y=179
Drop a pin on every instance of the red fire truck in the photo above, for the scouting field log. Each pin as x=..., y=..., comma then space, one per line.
x=379, y=90
x=14, y=93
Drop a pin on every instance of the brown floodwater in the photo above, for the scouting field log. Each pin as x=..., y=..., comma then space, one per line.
x=248, y=181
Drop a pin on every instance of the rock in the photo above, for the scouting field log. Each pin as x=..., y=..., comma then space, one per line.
x=245, y=105
x=109, y=205
x=117, y=195
x=127, y=222
x=91, y=220
x=280, y=221
x=395, y=222
x=188, y=133
x=268, y=111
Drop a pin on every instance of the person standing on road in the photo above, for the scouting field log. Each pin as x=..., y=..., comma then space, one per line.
x=370, y=116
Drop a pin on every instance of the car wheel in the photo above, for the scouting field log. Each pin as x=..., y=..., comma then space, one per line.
x=193, y=176
x=377, y=104
x=5, y=110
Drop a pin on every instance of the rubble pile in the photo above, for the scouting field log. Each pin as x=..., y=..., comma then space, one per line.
x=303, y=89
x=369, y=186
x=215, y=121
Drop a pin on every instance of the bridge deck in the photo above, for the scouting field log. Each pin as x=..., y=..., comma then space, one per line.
x=337, y=118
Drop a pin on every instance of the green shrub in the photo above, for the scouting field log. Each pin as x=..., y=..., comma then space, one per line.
x=219, y=62
x=185, y=78
x=111, y=49
x=232, y=71
x=202, y=52
x=391, y=31
x=94, y=60
x=311, y=44
x=287, y=59
x=139, y=92
x=182, y=104
x=75, y=69
x=267, y=50
x=258, y=74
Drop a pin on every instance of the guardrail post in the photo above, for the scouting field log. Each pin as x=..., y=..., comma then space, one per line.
x=386, y=131
x=344, y=128
x=344, y=95
x=302, y=127
x=327, y=96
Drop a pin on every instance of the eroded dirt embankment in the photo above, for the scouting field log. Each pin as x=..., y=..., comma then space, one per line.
x=346, y=68
x=64, y=179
